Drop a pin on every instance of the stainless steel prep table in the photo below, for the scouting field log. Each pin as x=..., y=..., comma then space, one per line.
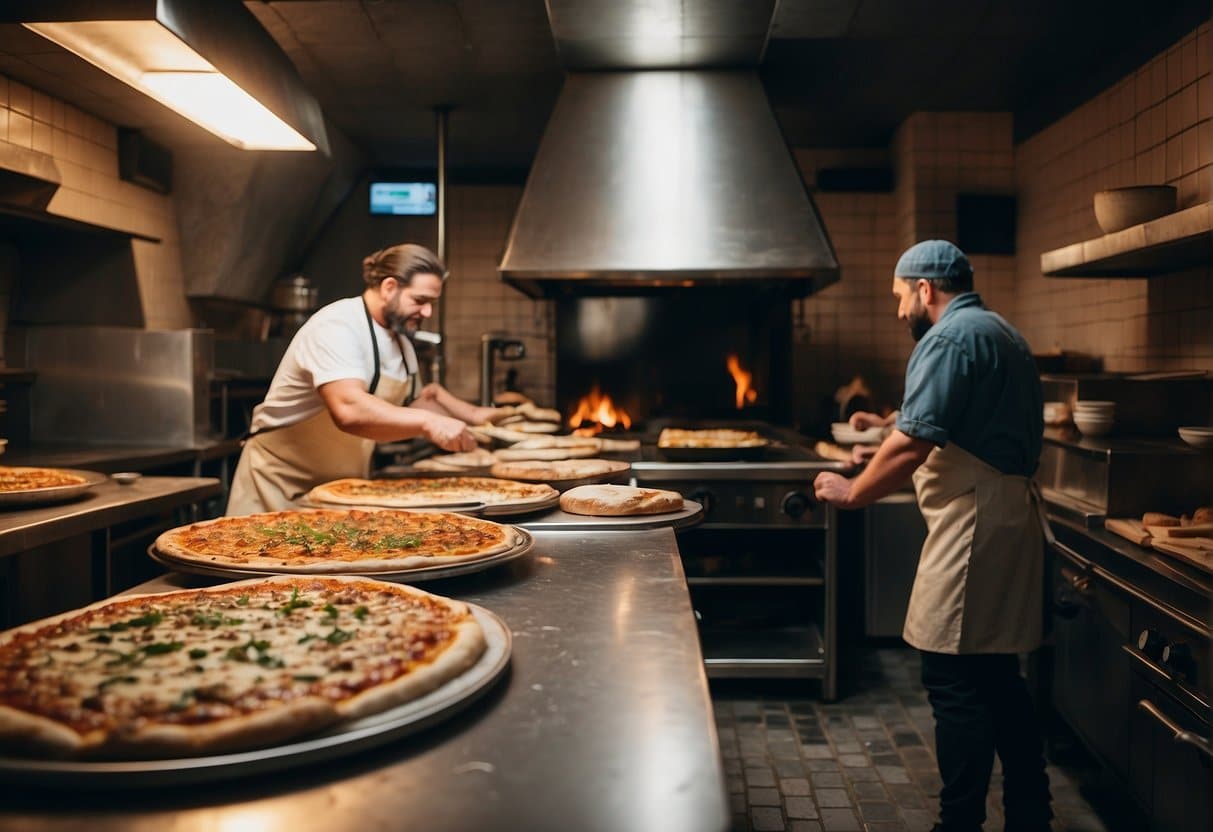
x=108, y=504
x=59, y=556
x=602, y=723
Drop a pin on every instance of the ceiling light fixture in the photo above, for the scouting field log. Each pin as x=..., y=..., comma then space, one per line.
x=209, y=61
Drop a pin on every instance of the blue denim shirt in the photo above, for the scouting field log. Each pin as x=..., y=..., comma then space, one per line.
x=972, y=380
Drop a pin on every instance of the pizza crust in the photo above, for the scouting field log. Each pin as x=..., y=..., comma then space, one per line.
x=619, y=500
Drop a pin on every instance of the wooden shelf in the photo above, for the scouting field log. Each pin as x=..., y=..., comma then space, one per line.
x=1177, y=241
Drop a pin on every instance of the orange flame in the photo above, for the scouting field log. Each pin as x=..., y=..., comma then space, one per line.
x=600, y=412
x=746, y=394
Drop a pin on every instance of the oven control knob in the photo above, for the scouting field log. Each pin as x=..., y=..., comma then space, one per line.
x=705, y=498
x=1178, y=659
x=795, y=504
x=1152, y=644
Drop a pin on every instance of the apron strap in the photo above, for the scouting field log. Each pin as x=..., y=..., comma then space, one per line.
x=1038, y=500
x=370, y=325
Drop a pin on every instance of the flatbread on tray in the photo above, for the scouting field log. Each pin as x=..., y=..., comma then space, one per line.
x=479, y=458
x=619, y=500
x=336, y=541
x=558, y=470
x=227, y=668
x=514, y=453
x=417, y=492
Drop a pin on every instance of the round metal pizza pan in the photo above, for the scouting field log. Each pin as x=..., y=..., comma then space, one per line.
x=55, y=493
x=335, y=742
x=523, y=542
x=690, y=514
x=511, y=509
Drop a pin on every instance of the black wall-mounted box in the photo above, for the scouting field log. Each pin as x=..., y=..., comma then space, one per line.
x=144, y=162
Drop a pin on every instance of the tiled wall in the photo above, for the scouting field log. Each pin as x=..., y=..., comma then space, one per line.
x=85, y=150
x=1153, y=127
x=477, y=301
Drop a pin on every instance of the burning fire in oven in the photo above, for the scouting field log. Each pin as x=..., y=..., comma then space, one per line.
x=746, y=394
x=596, y=412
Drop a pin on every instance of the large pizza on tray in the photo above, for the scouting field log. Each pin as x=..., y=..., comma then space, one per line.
x=235, y=666
x=418, y=492
x=334, y=541
x=23, y=478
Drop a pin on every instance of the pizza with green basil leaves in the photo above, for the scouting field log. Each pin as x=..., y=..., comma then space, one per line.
x=336, y=541
x=236, y=666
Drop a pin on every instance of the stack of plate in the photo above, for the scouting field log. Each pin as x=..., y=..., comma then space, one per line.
x=844, y=434
x=1197, y=437
x=1094, y=418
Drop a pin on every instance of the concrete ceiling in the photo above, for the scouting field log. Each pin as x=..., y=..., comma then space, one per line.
x=838, y=72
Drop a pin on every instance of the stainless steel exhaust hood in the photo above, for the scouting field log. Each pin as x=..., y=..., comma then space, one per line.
x=654, y=179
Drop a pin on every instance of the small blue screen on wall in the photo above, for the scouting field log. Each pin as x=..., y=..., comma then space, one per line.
x=416, y=198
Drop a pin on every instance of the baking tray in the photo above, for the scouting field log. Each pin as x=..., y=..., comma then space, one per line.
x=557, y=521
x=333, y=743
x=748, y=453
x=524, y=543
x=54, y=494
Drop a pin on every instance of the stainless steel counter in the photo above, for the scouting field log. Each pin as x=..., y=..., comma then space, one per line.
x=602, y=723
x=23, y=528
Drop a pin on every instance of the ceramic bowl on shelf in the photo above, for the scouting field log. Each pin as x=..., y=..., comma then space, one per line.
x=1197, y=437
x=1121, y=208
x=1093, y=425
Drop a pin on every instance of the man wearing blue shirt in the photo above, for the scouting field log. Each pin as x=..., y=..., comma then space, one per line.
x=969, y=434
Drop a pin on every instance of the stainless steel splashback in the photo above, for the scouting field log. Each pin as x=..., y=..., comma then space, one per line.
x=111, y=385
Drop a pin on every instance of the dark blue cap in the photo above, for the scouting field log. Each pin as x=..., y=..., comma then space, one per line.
x=933, y=260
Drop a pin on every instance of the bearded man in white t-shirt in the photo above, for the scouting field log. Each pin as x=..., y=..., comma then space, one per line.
x=349, y=380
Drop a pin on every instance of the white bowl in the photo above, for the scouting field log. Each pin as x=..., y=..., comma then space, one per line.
x=1094, y=405
x=844, y=434
x=1092, y=427
x=1197, y=437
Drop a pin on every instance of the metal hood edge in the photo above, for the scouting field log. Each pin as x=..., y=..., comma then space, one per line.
x=647, y=180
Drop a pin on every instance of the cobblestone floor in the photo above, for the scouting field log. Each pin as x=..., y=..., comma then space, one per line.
x=865, y=762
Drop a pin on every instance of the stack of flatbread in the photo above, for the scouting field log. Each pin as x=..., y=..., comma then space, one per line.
x=564, y=470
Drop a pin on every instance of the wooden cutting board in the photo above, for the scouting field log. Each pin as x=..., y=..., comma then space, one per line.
x=1195, y=550
x=1129, y=529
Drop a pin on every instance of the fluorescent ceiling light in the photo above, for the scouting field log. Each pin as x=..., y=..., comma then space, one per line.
x=153, y=60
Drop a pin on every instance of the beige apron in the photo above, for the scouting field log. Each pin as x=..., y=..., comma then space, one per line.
x=980, y=581
x=280, y=465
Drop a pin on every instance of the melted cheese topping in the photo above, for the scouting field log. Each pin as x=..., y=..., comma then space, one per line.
x=301, y=536
x=198, y=657
x=434, y=489
x=26, y=479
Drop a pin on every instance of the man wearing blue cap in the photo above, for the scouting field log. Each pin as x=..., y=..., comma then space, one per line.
x=969, y=434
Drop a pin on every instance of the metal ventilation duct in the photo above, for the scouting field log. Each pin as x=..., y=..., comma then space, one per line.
x=665, y=179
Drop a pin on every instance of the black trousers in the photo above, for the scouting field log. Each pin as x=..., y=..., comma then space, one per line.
x=982, y=707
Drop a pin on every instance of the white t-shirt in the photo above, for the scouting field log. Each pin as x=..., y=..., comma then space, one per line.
x=333, y=344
